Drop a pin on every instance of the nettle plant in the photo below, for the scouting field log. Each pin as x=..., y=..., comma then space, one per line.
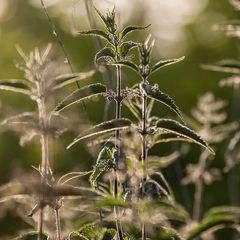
x=127, y=189
x=131, y=179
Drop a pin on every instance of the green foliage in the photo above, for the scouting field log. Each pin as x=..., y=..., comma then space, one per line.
x=105, y=53
x=102, y=128
x=172, y=126
x=216, y=218
x=153, y=92
x=80, y=95
x=164, y=63
x=65, y=79
x=19, y=86
x=130, y=29
x=98, y=33
x=32, y=236
x=92, y=232
x=105, y=161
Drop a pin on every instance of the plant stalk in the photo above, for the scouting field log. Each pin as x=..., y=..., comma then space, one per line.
x=58, y=224
x=118, y=146
x=144, y=150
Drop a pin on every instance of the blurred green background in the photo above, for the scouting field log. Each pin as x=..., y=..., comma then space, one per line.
x=179, y=27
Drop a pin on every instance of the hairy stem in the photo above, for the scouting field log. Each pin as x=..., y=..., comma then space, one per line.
x=58, y=224
x=118, y=144
x=144, y=150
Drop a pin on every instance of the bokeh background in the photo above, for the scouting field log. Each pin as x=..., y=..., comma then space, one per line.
x=180, y=27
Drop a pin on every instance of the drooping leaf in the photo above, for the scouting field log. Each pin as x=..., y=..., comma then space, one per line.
x=128, y=64
x=219, y=221
x=32, y=236
x=105, y=53
x=130, y=29
x=72, y=175
x=167, y=137
x=228, y=66
x=172, y=126
x=102, y=128
x=65, y=79
x=166, y=233
x=105, y=161
x=164, y=63
x=81, y=94
x=125, y=47
x=96, y=32
x=156, y=94
x=13, y=85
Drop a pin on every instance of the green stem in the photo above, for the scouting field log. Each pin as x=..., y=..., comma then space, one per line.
x=118, y=144
x=144, y=150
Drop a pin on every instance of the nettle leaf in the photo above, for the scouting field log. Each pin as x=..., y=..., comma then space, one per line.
x=125, y=47
x=130, y=29
x=167, y=137
x=128, y=64
x=101, y=16
x=105, y=162
x=32, y=236
x=156, y=94
x=164, y=63
x=13, y=85
x=165, y=233
x=102, y=128
x=81, y=94
x=88, y=232
x=219, y=221
x=228, y=66
x=96, y=32
x=65, y=79
x=106, y=53
x=177, y=128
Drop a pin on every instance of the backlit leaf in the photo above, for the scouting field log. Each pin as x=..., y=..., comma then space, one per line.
x=164, y=63
x=102, y=128
x=81, y=94
x=177, y=128
x=98, y=33
x=15, y=86
x=105, y=53
x=130, y=29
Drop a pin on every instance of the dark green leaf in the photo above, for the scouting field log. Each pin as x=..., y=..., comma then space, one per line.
x=177, y=128
x=32, y=236
x=125, y=64
x=130, y=29
x=20, y=86
x=106, y=52
x=105, y=162
x=220, y=221
x=65, y=79
x=156, y=94
x=101, y=16
x=164, y=63
x=81, y=94
x=125, y=47
x=165, y=233
x=98, y=33
x=102, y=128
x=228, y=66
